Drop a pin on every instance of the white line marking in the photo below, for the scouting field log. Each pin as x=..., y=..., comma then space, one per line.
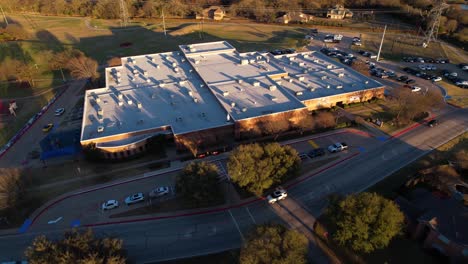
x=237, y=226
x=251, y=216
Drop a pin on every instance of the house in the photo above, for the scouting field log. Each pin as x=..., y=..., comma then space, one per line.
x=212, y=12
x=438, y=221
x=339, y=12
x=294, y=17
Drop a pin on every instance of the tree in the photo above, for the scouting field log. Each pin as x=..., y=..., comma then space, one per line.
x=12, y=188
x=257, y=167
x=325, y=120
x=407, y=105
x=276, y=245
x=451, y=25
x=76, y=247
x=198, y=183
x=82, y=67
x=365, y=221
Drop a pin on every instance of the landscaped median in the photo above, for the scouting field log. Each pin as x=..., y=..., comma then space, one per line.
x=455, y=95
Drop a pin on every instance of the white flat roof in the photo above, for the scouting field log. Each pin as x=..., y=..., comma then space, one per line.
x=313, y=75
x=205, y=85
x=148, y=92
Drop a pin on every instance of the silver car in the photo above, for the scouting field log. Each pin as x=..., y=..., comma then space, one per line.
x=134, y=198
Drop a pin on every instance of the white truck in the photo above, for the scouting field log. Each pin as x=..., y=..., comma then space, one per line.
x=337, y=147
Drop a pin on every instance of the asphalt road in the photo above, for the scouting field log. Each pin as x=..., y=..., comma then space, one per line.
x=164, y=239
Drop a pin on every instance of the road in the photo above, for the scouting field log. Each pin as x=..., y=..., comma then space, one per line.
x=164, y=239
x=17, y=155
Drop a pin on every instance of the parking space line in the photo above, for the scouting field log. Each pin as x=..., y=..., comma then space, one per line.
x=251, y=216
x=313, y=144
x=237, y=226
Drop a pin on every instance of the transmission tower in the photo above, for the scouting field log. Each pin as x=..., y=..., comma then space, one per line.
x=433, y=18
x=123, y=13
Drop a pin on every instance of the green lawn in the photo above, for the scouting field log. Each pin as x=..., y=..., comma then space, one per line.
x=458, y=95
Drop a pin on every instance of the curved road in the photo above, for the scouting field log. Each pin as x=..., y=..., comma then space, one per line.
x=164, y=239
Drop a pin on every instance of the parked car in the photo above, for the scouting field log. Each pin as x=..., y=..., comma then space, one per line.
x=357, y=43
x=415, y=89
x=47, y=127
x=59, y=111
x=337, y=147
x=303, y=156
x=437, y=79
x=463, y=66
x=111, y=204
x=316, y=152
x=422, y=67
x=278, y=195
x=134, y=198
x=433, y=123
x=159, y=191
x=410, y=81
x=402, y=78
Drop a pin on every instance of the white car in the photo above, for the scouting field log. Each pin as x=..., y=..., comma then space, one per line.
x=337, y=147
x=437, y=79
x=278, y=195
x=59, y=111
x=422, y=67
x=415, y=89
x=357, y=43
x=134, y=198
x=160, y=191
x=111, y=204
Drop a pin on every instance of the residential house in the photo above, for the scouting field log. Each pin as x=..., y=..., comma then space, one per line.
x=294, y=17
x=339, y=12
x=212, y=12
x=439, y=222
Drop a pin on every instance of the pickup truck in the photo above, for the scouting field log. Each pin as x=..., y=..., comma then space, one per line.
x=337, y=147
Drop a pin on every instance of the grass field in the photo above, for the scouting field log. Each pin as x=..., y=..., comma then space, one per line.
x=458, y=95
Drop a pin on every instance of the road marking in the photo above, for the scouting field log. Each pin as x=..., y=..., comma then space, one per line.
x=251, y=216
x=75, y=223
x=237, y=226
x=362, y=149
x=25, y=226
x=382, y=138
x=54, y=221
x=313, y=144
x=222, y=172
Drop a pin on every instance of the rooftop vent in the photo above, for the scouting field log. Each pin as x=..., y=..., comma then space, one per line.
x=329, y=66
x=298, y=93
x=158, y=67
x=176, y=69
x=100, y=129
x=315, y=60
x=182, y=82
x=312, y=89
x=291, y=58
x=339, y=87
x=120, y=103
x=154, y=96
x=324, y=77
x=272, y=88
x=183, y=60
x=301, y=78
x=145, y=73
x=233, y=104
x=135, y=71
x=274, y=98
x=100, y=111
x=301, y=64
x=306, y=55
x=328, y=86
x=244, y=62
x=240, y=81
x=162, y=84
x=244, y=109
x=148, y=80
x=118, y=74
x=279, y=82
x=225, y=93
x=195, y=100
x=256, y=83
x=197, y=62
x=340, y=74
x=366, y=82
x=139, y=105
x=192, y=49
x=174, y=64
x=305, y=71
x=129, y=101
x=153, y=59
x=290, y=80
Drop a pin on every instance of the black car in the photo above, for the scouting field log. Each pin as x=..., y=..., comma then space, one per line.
x=410, y=81
x=402, y=78
x=433, y=123
x=317, y=152
x=314, y=31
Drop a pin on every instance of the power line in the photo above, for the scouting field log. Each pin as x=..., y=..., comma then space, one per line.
x=434, y=21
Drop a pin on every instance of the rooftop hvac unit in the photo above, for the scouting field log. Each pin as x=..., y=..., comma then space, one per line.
x=100, y=111
x=324, y=77
x=279, y=82
x=183, y=60
x=176, y=69
x=190, y=93
x=290, y=63
x=100, y=129
x=291, y=58
x=119, y=80
x=139, y=105
x=366, y=82
x=339, y=87
x=98, y=99
x=306, y=56
x=190, y=70
x=244, y=62
x=328, y=86
x=148, y=80
x=272, y=88
x=195, y=100
x=153, y=59
x=202, y=85
x=174, y=64
x=298, y=93
x=158, y=67
x=290, y=80
x=146, y=73
x=233, y=104
x=182, y=82
x=312, y=89
x=301, y=64
x=244, y=109
x=305, y=71
x=301, y=78
x=135, y=71
x=120, y=96
x=193, y=49
x=274, y=98
x=129, y=101
x=252, y=61
x=329, y=66
x=118, y=74
x=162, y=84
x=240, y=81
x=197, y=62
x=340, y=74
x=225, y=93
x=316, y=61
x=256, y=83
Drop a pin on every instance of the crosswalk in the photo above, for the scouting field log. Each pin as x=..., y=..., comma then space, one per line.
x=223, y=176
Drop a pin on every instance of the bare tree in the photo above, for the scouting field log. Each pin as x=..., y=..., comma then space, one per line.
x=82, y=67
x=325, y=120
x=12, y=188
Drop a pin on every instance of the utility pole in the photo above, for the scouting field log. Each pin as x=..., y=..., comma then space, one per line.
x=164, y=22
x=4, y=17
x=123, y=13
x=381, y=43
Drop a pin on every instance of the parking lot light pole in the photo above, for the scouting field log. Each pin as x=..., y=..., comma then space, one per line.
x=381, y=43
